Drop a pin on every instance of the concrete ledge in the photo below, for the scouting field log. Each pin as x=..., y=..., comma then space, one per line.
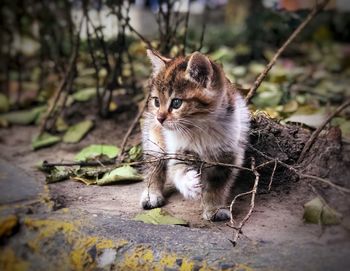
x=34, y=237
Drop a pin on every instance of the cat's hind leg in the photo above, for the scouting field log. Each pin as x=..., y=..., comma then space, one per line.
x=217, y=181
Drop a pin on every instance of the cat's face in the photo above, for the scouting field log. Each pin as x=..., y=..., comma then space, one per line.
x=183, y=90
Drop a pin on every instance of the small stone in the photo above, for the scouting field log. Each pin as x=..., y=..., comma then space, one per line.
x=179, y=262
x=225, y=266
x=107, y=257
x=197, y=258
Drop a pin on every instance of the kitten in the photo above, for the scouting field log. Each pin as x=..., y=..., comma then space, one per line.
x=193, y=109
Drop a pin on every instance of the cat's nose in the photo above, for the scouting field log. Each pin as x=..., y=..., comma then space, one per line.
x=161, y=118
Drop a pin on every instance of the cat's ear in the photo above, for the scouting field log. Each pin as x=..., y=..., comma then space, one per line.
x=199, y=69
x=158, y=61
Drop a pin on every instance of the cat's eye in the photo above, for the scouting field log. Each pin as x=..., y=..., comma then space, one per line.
x=156, y=101
x=176, y=103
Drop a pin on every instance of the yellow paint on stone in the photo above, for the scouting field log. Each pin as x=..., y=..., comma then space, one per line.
x=186, y=265
x=10, y=262
x=142, y=258
x=139, y=258
x=7, y=224
x=80, y=256
x=45, y=197
x=75, y=250
x=80, y=244
x=49, y=227
x=168, y=261
x=243, y=267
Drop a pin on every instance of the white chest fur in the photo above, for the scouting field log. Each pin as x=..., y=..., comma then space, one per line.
x=217, y=133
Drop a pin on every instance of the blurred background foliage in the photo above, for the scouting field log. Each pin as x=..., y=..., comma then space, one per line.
x=39, y=69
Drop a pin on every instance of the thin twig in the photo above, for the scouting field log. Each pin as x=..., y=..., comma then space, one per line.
x=64, y=82
x=92, y=56
x=272, y=175
x=156, y=157
x=96, y=163
x=234, y=201
x=204, y=24
x=238, y=229
x=142, y=38
x=131, y=128
x=186, y=29
x=261, y=77
x=302, y=175
x=315, y=134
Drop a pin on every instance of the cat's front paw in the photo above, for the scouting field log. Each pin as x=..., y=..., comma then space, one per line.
x=150, y=200
x=191, y=186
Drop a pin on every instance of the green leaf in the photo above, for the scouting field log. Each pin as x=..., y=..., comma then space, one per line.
x=309, y=116
x=87, y=72
x=158, y=216
x=4, y=103
x=291, y=106
x=268, y=95
x=317, y=211
x=94, y=151
x=61, y=125
x=85, y=94
x=84, y=180
x=85, y=81
x=223, y=54
x=23, y=117
x=239, y=71
x=58, y=173
x=91, y=172
x=124, y=173
x=45, y=140
x=27, y=46
x=135, y=153
x=256, y=68
x=76, y=132
x=278, y=74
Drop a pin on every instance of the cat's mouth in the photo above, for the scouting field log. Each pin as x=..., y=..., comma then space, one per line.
x=169, y=125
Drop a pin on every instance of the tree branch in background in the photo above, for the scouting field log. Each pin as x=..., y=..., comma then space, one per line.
x=204, y=25
x=132, y=29
x=67, y=79
x=317, y=9
x=184, y=43
x=131, y=128
x=315, y=134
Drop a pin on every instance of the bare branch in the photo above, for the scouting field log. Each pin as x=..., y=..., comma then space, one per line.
x=302, y=175
x=315, y=134
x=317, y=9
x=63, y=84
x=131, y=128
x=238, y=229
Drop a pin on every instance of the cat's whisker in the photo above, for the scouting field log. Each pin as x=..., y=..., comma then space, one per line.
x=192, y=124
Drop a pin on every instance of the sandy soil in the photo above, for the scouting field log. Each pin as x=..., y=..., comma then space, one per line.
x=277, y=216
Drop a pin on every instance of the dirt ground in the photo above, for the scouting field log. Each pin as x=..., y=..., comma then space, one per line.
x=277, y=216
